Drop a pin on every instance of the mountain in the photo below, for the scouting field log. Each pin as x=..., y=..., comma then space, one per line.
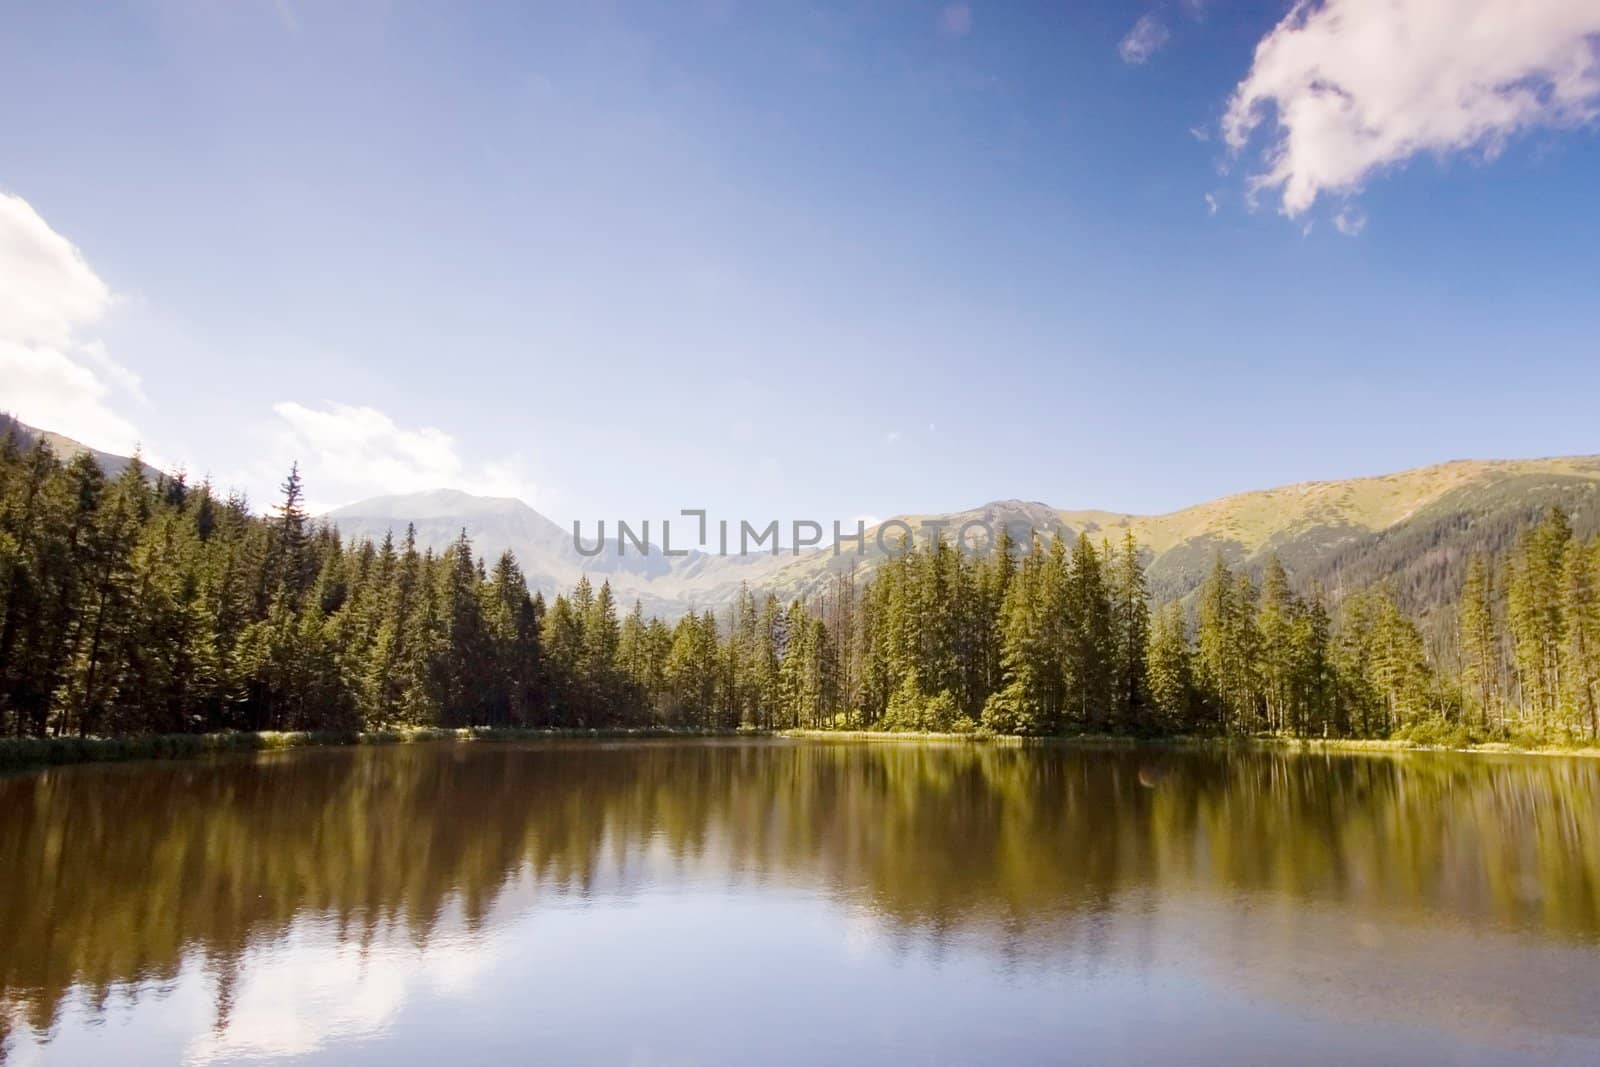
x=1414, y=528
x=65, y=448
x=439, y=515
x=666, y=586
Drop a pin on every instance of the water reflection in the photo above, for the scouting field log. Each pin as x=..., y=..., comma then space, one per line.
x=267, y=906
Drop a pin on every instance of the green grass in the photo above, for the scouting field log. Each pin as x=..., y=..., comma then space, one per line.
x=57, y=751
x=16, y=754
x=1520, y=744
x=879, y=735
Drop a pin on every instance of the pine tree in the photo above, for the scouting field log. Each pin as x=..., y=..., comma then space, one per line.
x=1580, y=669
x=1534, y=602
x=466, y=681
x=291, y=558
x=597, y=663
x=1090, y=644
x=110, y=625
x=1479, y=640
x=1217, y=666
x=1170, y=673
x=1028, y=699
x=1276, y=618
x=1130, y=619
x=1314, y=690
x=563, y=655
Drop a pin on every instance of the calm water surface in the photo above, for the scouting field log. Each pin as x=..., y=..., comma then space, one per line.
x=791, y=902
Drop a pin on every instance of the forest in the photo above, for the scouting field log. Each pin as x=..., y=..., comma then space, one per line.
x=141, y=604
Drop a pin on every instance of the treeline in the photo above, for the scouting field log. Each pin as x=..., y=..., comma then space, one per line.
x=142, y=605
x=146, y=605
x=1529, y=632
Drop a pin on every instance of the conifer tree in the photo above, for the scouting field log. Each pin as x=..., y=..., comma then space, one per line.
x=1314, y=689
x=1170, y=673
x=1580, y=669
x=1479, y=640
x=1130, y=619
x=1217, y=667
x=1534, y=605
x=1276, y=623
x=140, y=605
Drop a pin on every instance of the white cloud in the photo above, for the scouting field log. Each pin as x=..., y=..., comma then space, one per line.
x=347, y=452
x=1148, y=36
x=52, y=376
x=1211, y=204
x=306, y=994
x=47, y=388
x=1350, y=220
x=1353, y=86
x=121, y=377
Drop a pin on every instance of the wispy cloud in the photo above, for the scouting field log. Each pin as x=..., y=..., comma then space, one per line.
x=350, y=451
x=1350, y=220
x=1148, y=36
x=1348, y=87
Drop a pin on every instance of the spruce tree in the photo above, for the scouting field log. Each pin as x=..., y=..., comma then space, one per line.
x=1479, y=640
x=1170, y=673
x=1130, y=618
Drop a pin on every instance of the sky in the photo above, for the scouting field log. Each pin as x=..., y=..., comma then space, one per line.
x=802, y=260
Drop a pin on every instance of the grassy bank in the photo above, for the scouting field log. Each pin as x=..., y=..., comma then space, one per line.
x=1403, y=745
x=1304, y=744
x=57, y=751
x=18, y=754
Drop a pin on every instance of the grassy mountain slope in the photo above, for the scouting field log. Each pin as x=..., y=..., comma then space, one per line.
x=65, y=448
x=1415, y=527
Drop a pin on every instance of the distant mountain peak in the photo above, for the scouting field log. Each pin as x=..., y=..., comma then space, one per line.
x=435, y=503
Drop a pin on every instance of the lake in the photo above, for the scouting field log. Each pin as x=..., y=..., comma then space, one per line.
x=767, y=901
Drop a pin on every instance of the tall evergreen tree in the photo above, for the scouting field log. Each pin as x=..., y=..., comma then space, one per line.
x=1130, y=621
x=1479, y=640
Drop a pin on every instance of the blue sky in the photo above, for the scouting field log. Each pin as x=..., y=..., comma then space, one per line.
x=803, y=260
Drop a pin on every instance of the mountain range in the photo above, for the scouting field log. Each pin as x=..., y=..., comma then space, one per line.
x=1414, y=528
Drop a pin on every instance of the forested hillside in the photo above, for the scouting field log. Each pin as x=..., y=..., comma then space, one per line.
x=1415, y=528
x=143, y=604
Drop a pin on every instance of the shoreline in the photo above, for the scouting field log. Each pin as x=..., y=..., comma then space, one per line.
x=39, y=753
x=1190, y=743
